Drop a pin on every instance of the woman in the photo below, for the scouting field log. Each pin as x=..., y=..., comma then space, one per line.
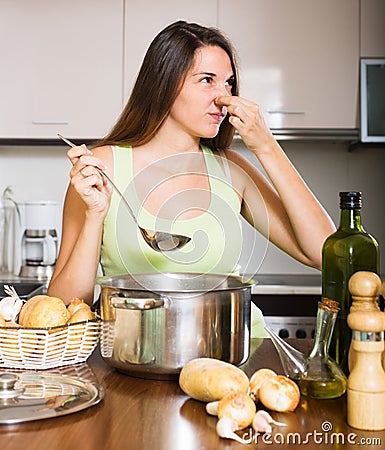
x=169, y=152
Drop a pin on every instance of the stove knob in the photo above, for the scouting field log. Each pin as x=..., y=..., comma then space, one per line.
x=283, y=333
x=300, y=334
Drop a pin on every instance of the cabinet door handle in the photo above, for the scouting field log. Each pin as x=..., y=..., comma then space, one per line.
x=286, y=111
x=50, y=122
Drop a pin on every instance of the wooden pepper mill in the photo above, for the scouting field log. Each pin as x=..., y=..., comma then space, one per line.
x=370, y=281
x=366, y=382
x=383, y=353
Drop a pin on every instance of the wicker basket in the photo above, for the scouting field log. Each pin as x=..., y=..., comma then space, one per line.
x=46, y=348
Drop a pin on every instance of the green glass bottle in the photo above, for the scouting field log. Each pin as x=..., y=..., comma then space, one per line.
x=348, y=250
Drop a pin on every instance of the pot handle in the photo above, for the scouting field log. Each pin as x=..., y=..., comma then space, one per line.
x=141, y=304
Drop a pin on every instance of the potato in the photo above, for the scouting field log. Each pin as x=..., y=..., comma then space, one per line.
x=208, y=379
x=43, y=311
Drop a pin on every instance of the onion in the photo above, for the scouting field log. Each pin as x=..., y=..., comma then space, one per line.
x=279, y=393
x=256, y=381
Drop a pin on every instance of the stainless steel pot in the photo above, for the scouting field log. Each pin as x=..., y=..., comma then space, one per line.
x=153, y=324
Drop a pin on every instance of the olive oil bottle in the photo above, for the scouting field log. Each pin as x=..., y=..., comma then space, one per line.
x=350, y=249
x=323, y=377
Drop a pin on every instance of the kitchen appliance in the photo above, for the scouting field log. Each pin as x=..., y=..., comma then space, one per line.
x=7, y=218
x=372, y=93
x=37, y=239
x=288, y=302
x=153, y=324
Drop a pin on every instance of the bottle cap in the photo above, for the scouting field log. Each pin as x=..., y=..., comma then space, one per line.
x=351, y=199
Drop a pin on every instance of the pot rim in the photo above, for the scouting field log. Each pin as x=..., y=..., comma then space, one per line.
x=219, y=282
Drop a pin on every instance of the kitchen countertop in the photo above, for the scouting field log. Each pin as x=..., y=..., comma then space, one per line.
x=270, y=284
x=139, y=414
x=275, y=284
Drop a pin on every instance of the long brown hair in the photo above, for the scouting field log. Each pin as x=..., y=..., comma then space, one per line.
x=168, y=58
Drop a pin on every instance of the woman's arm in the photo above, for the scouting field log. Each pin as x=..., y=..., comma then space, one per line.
x=85, y=207
x=298, y=224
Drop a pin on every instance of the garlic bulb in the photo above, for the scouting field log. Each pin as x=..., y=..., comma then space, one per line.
x=212, y=408
x=235, y=412
x=10, y=306
x=226, y=428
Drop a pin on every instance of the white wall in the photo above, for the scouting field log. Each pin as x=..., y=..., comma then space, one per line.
x=35, y=173
x=41, y=173
x=329, y=168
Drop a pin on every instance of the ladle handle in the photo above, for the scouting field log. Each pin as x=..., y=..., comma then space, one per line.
x=71, y=144
x=118, y=192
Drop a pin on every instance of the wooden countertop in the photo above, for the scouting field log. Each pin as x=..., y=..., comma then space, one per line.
x=139, y=414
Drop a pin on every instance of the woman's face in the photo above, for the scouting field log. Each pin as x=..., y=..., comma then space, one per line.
x=209, y=77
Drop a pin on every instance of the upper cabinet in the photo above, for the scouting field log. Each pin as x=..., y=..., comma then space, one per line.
x=372, y=20
x=61, y=67
x=143, y=21
x=69, y=66
x=298, y=59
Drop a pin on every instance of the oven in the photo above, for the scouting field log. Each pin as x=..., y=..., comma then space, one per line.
x=288, y=302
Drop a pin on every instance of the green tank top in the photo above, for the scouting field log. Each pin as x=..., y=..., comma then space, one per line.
x=216, y=234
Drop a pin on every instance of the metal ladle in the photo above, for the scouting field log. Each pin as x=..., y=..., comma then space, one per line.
x=158, y=240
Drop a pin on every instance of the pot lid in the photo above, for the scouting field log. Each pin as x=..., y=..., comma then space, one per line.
x=30, y=396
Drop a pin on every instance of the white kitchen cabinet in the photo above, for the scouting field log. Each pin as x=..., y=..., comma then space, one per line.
x=144, y=20
x=298, y=58
x=61, y=67
x=372, y=20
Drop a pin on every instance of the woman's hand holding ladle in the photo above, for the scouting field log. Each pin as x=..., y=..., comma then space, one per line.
x=158, y=240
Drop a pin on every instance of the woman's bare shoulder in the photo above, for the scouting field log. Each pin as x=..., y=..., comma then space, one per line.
x=236, y=157
x=102, y=152
x=238, y=160
x=105, y=154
